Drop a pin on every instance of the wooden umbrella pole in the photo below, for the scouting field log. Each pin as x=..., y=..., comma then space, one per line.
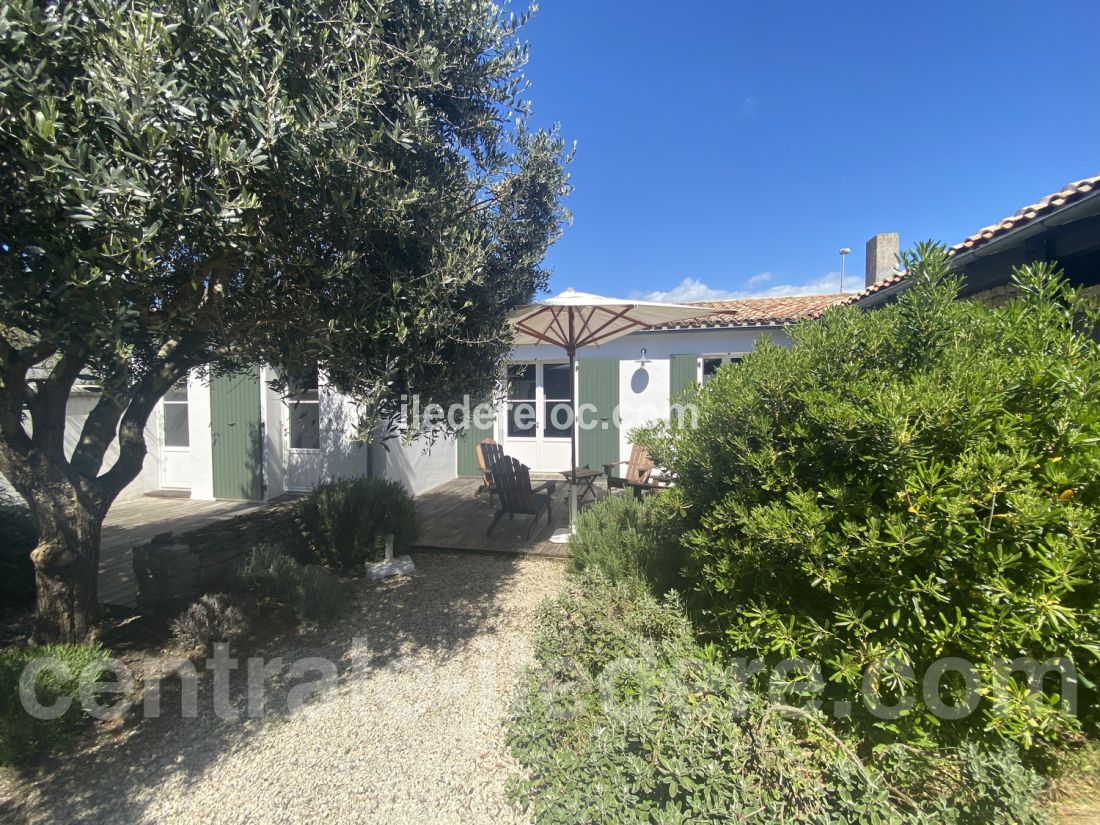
x=572, y=350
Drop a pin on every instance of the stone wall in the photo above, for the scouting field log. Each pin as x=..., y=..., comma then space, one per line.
x=172, y=571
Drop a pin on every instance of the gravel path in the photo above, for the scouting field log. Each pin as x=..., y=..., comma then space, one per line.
x=411, y=734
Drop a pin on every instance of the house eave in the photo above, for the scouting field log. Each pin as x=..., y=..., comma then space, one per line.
x=1084, y=207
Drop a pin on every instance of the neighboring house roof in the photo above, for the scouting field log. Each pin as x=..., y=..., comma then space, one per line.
x=878, y=286
x=1068, y=194
x=756, y=312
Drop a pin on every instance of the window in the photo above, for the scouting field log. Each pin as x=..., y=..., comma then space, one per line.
x=711, y=363
x=175, y=417
x=305, y=427
x=557, y=388
x=521, y=401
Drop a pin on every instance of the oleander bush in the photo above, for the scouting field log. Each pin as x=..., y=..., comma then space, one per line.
x=347, y=521
x=22, y=735
x=907, y=484
x=624, y=538
x=627, y=719
x=212, y=619
x=18, y=537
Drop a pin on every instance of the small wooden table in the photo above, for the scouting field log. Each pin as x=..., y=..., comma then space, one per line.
x=584, y=478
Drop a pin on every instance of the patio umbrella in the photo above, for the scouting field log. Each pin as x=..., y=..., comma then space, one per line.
x=573, y=320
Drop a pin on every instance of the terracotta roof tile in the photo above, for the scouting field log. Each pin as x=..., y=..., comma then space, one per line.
x=757, y=312
x=878, y=286
x=1069, y=193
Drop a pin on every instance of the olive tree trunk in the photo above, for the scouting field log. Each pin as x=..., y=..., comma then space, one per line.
x=66, y=491
x=66, y=566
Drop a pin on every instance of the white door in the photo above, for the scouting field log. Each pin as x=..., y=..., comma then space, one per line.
x=537, y=417
x=175, y=465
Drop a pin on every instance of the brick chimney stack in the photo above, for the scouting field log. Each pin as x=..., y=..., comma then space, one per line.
x=882, y=257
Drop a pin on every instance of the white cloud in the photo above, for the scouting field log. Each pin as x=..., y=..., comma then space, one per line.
x=689, y=289
x=693, y=289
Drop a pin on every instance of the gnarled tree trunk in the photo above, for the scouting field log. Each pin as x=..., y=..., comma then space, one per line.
x=66, y=566
x=67, y=493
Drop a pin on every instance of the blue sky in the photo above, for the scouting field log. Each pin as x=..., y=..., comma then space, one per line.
x=733, y=147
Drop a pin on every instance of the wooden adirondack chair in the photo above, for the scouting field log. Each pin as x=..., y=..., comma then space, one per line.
x=639, y=476
x=512, y=484
x=488, y=454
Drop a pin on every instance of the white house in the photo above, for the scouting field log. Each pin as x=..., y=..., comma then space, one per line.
x=233, y=437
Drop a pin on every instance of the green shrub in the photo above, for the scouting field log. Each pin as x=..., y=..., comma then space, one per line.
x=23, y=736
x=626, y=719
x=268, y=571
x=316, y=594
x=18, y=537
x=213, y=618
x=347, y=521
x=321, y=596
x=624, y=538
x=907, y=484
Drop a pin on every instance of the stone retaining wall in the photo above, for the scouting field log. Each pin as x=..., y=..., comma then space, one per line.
x=172, y=571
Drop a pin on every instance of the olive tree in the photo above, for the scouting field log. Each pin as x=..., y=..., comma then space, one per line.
x=348, y=184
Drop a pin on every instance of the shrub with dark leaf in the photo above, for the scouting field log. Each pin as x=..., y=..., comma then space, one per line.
x=347, y=521
x=904, y=485
x=316, y=594
x=23, y=735
x=268, y=571
x=321, y=595
x=624, y=538
x=626, y=719
x=18, y=537
x=213, y=618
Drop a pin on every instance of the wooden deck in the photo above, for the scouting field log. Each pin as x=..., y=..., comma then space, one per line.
x=133, y=522
x=454, y=517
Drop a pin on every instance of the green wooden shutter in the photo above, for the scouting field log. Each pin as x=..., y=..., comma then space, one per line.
x=683, y=372
x=598, y=385
x=235, y=434
x=468, y=439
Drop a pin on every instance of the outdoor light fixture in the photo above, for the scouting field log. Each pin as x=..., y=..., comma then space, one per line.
x=845, y=252
x=643, y=360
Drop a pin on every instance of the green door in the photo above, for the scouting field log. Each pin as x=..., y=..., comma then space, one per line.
x=468, y=439
x=598, y=385
x=235, y=434
x=683, y=372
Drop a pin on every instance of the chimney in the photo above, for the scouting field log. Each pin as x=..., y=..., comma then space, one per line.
x=882, y=257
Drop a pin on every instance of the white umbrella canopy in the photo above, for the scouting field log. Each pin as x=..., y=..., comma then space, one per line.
x=573, y=320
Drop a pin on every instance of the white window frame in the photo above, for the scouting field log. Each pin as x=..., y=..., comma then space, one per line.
x=165, y=402
x=725, y=357
x=509, y=401
x=540, y=387
x=539, y=401
x=290, y=405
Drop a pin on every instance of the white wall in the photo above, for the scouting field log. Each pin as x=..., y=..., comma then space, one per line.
x=198, y=431
x=343, y=455
x=76, y=412
x=420, y=466
x=644, y=390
